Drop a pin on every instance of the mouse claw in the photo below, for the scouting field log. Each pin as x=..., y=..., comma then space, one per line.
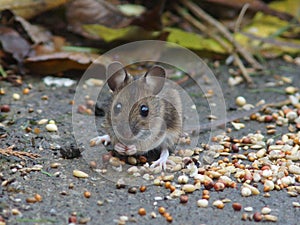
x=163, y=160
x=104, y=139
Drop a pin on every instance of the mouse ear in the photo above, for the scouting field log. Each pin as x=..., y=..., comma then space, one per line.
x=116, y=75
x=155, y=78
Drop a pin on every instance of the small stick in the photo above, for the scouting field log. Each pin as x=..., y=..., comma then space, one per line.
x=9, y=151
x=203, y=15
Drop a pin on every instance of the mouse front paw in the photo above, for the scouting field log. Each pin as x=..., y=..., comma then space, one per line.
x=104, y=139
x=163, y=160
x=125, y=150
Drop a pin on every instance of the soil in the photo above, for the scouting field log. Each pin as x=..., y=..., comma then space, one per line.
x=63, y=194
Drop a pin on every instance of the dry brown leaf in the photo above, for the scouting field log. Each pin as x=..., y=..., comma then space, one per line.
x=60, y=61
x=14, y=44
x=30, y=8
x=83, y=12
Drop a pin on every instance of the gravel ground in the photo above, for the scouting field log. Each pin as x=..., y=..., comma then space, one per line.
x=62, y=198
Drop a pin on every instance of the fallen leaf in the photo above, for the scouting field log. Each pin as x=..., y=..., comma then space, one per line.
x=14, y=44
x=60, y=61
x=30, y=8
x=80, y=13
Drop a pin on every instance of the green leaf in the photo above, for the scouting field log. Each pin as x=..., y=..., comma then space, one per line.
x=112, y=34
x=193, y=41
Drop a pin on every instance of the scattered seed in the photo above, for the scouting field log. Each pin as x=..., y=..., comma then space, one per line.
x=246, y=192
x=183, y=179
x=143, y=188
x=202, y=203
x=188, y=188
x=80, y=174
x=265, y=210
x=236, y=206
x=15, y=212
x=38, y=197
x=142, y=212
x=248, y=209
x=219, y=186
x=219, y=204
x=161, y=210
x=26, y=91
x=4, y=108
x=257, y=216
x=51, y=127
x=132, y=190
x=16, y=96
x=87, y=194
x=270, y=218
x=240, y=101
x=184, y=199
x=31, y=200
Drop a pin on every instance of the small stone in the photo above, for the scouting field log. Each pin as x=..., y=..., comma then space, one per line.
x=202, y=203
x=51, y=127
x=240, y=101
x=80, y=174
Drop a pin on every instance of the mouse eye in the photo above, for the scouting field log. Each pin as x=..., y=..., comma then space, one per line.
x=117, y=108
x=144, y=110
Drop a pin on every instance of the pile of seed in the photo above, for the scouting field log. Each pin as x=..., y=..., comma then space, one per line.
x=244, y=163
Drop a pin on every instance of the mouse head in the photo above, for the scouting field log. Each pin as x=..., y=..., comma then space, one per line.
x=137, y=110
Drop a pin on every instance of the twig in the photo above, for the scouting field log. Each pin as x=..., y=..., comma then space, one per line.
x=201, y=27
x=204, y=16
x=240, y=18
x=9, y=151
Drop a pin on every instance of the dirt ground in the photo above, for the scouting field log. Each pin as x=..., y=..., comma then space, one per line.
x=62, y=194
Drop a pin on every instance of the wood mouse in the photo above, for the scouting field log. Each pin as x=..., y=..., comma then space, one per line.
x=144, y=114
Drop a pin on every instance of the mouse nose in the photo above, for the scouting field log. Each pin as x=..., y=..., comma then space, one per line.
x=124, y=133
